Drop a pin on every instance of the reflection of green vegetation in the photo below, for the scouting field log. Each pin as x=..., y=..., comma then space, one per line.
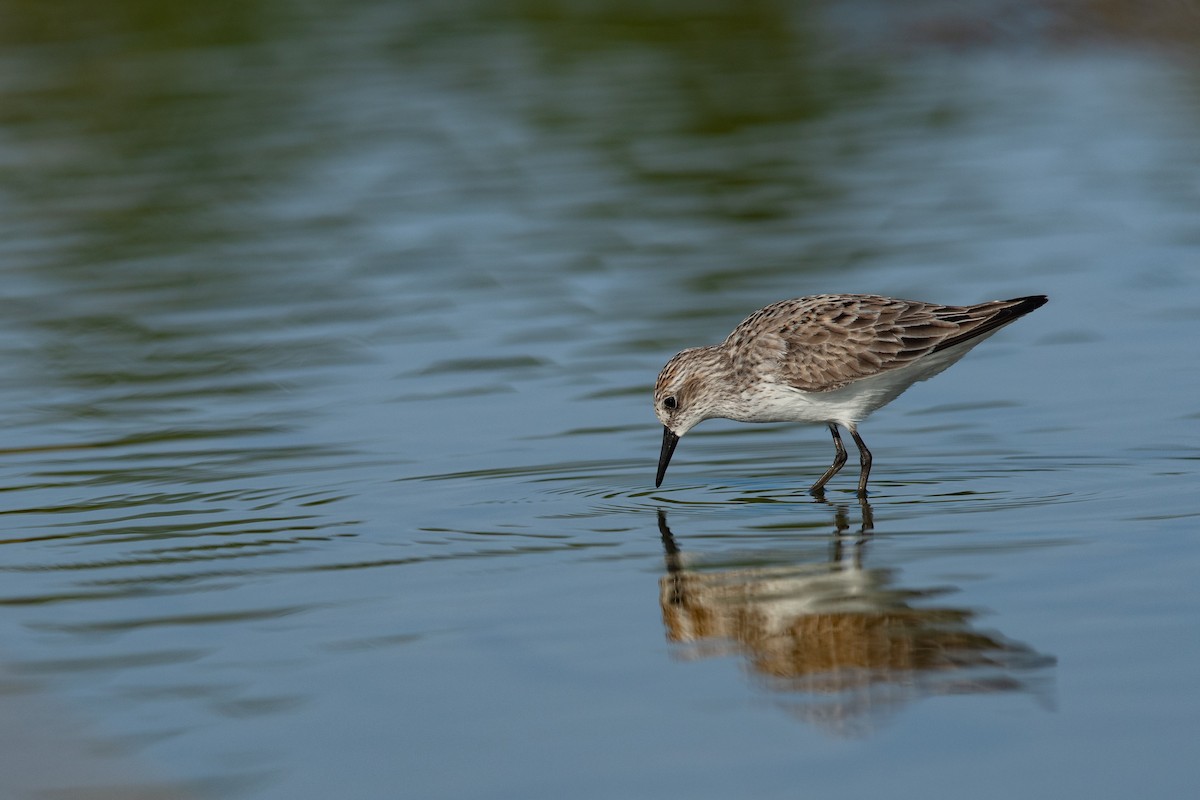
x=154, y=118
x=703, y=112
x=1154, y=20
x=132, y=24
x=142, y=123
x=177, y=158
x=718, y=66
x=138, y=142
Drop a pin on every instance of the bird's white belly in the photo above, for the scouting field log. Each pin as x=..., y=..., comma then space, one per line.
x=776, y=402
x=773, y=402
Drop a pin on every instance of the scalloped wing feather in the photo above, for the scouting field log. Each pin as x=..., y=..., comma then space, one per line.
x=822, y=343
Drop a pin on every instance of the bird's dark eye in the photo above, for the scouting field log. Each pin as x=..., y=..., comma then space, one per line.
x=669, y=403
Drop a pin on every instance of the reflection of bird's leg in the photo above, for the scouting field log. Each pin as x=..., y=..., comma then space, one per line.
x=841, y=519
x=841, y=523
x=868, y=516
x=835, y=549
x=864, y=532
x=839, y=461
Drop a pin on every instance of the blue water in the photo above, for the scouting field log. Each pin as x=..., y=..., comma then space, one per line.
x=328, y=450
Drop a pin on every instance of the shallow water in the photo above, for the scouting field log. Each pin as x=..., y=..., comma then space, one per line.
x=329, y=457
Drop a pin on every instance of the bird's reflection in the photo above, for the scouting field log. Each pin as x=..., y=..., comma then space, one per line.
x=846, y=645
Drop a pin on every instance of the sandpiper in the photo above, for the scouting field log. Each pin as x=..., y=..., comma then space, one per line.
x=831, y=358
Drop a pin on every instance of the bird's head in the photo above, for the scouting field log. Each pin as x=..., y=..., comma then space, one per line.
x=680, y=400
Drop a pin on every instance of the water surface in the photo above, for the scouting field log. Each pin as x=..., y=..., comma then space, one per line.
x=328, y=451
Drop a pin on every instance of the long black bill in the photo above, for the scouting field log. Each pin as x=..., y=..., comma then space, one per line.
x=664, y=457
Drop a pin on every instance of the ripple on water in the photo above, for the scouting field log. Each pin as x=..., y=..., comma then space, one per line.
x=163, y=514
x=959, y=484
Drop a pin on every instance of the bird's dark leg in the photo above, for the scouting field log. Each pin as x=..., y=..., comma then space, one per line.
x=839, y=461
x=864, y=460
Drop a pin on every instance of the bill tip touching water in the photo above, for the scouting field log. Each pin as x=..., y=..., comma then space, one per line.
x=831, y=358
